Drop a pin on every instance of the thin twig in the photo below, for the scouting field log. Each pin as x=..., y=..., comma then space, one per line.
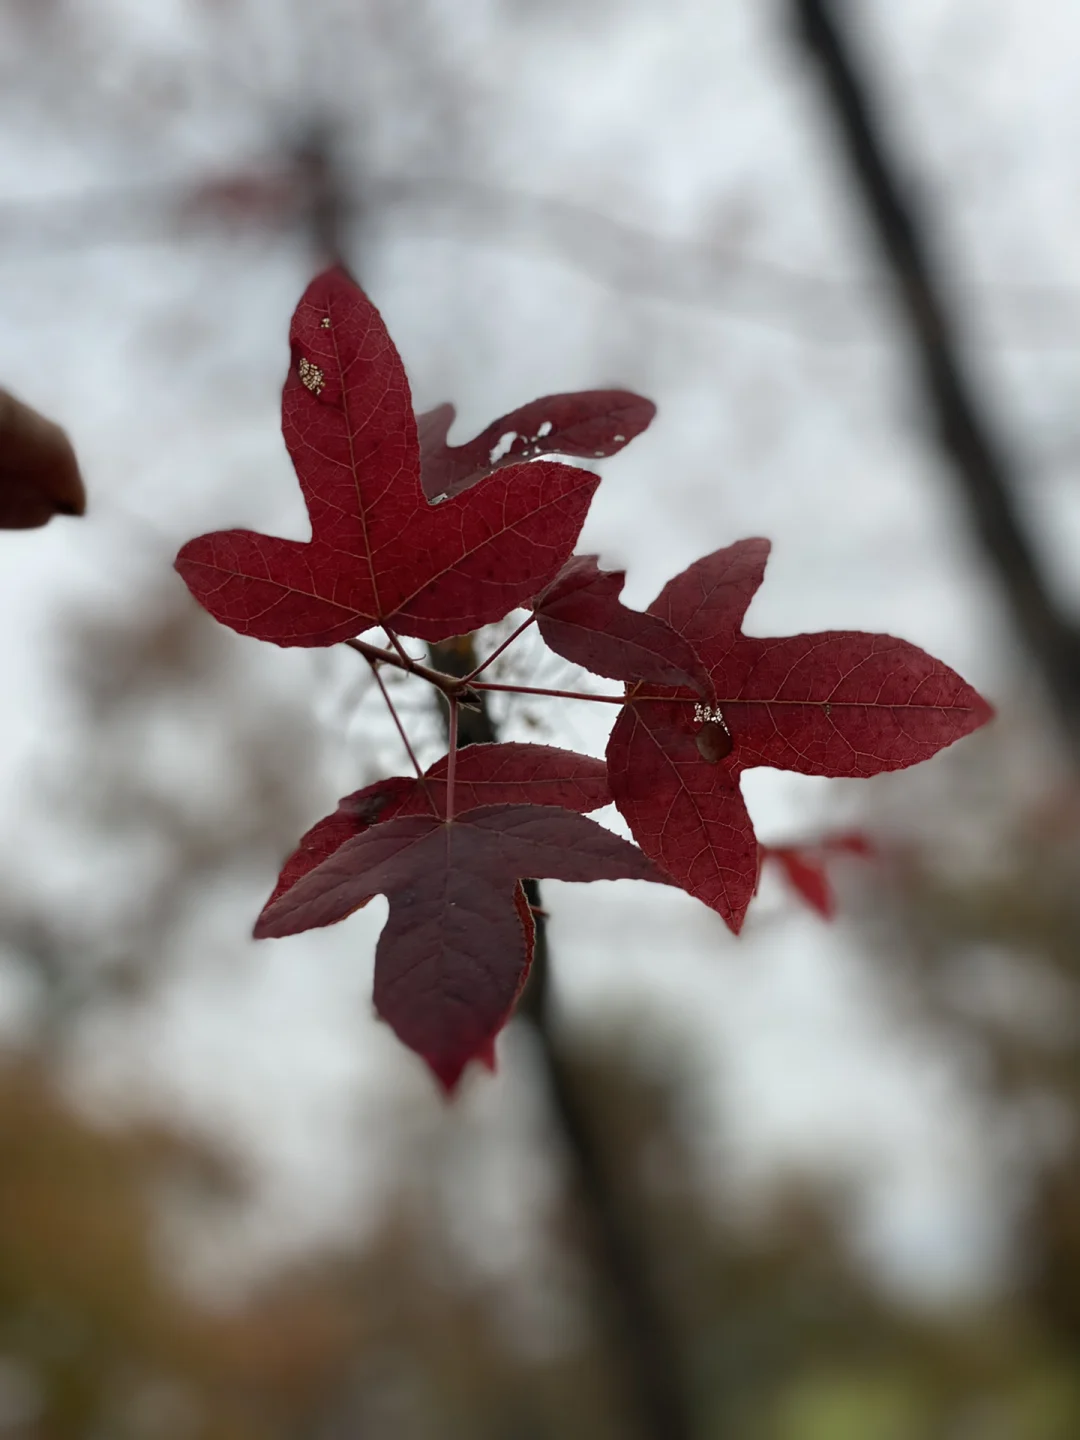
x=397, y=721
x=453, y=686
x=448, y=684
x=640, y=1342
x=816, y=308
x=499, y=650
x=451, y=761
x=391, y=635
x=558, y=694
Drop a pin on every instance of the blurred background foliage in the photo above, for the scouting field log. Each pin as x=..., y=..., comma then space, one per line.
x=140, y=1299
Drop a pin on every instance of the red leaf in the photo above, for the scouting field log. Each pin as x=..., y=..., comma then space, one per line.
x=379, y=551
x=515, y=774
x=806, y=873
x=485, y=1053
x=686, y=814
x=454, y=953
x=587, y=423
x=582, y=619
x=39, y=475
x=708, y=600
x=837, y=703
x=485, y=775
x=355, y=814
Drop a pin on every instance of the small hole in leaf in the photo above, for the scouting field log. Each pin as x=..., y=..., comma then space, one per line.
x=503, y=447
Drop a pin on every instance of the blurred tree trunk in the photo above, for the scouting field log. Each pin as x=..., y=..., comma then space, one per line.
x=987, y=479
x=640, y=1341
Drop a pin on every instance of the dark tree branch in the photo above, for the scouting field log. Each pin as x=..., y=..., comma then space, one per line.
x=328, y=208
x=643, y=1349
x=705, y=274
x=986, y=477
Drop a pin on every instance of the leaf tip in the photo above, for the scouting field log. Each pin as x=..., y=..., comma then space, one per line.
x=263, y=929
x=735, y=919
x=448, y=1072
x=984, y=711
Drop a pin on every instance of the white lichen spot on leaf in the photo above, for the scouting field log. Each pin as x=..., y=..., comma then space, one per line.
x=311, y=376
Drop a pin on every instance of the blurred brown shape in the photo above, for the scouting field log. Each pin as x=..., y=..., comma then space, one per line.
x=39, y=475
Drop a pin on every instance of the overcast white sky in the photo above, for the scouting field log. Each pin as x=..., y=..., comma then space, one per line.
x=693, y=122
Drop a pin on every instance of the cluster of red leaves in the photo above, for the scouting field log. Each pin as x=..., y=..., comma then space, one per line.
x=429, y=540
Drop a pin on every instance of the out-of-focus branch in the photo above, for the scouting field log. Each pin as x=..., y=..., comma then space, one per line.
x=986, y=477
x=703, y=273
x=329, y=211
x=640, y=1342
x=643, y=1351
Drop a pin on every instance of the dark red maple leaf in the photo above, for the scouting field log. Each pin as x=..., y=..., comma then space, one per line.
x=379, y=551
x=484, y=775
x=841, y=703
x=589, y=424
x=454, y=953
x=355, y=814
x=805, y=866
x=582, y=619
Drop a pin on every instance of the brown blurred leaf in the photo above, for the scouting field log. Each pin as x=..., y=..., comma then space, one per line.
x=39, y=475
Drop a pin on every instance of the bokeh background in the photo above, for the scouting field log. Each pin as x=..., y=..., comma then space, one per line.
x=843, y=1157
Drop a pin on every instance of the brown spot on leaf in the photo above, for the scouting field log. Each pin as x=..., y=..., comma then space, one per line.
x=713, y=741
x=369, y=807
